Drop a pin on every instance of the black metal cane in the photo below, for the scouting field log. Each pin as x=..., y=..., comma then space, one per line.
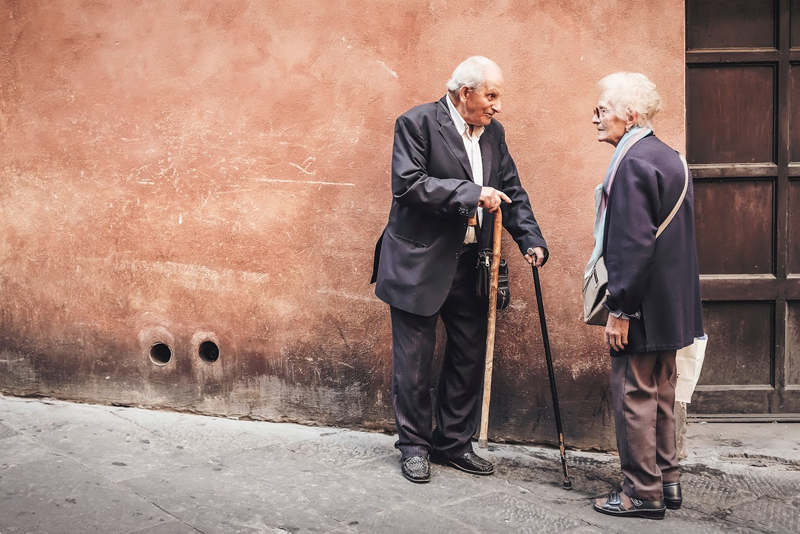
x=546, y=339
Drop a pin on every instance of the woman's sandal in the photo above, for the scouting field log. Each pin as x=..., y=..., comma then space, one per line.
x=647, y=509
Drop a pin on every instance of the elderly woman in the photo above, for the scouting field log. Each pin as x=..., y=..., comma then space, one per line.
x=653, y=296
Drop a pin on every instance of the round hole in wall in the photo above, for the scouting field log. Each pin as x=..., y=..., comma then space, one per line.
x=208, y=351
x=160, y=354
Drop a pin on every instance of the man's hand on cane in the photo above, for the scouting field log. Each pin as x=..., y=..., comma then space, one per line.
x=539, y=253
x=491, y=199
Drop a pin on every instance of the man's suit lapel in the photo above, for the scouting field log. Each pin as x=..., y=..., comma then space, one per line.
x=487, y=228
x=451, y=137
x=486, y=156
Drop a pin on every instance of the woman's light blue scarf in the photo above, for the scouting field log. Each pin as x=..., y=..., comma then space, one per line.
x=602, y=191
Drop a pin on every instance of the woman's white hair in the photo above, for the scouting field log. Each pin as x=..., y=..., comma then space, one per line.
x=631, y=91
x=470, y=73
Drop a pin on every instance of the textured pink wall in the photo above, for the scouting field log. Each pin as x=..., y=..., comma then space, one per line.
x=205, y=170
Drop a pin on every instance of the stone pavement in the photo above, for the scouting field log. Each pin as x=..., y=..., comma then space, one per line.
x=73, y=468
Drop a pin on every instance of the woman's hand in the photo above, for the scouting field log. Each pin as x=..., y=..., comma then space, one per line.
x=616, y=332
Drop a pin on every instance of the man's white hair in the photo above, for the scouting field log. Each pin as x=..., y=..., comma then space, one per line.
x=470, y=73
x=631, y=91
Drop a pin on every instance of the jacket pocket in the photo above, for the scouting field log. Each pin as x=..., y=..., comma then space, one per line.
x=411, y=242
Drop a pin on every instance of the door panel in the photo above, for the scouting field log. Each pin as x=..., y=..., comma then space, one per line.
x=729, y=24
x=734, y=226
x=731, y=113
x=793, y=237
x=793, y=345
x=794, y=113
x=740, y=337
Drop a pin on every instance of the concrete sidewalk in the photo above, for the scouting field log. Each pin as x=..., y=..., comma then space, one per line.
x=72, y=468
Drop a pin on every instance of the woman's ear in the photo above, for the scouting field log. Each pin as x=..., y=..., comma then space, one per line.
x=631, y=118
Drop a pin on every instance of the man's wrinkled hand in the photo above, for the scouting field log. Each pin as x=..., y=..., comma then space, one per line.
x=491, y=199
x=538, y=256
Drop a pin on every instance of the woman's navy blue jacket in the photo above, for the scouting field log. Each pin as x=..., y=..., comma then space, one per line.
x=658, y=278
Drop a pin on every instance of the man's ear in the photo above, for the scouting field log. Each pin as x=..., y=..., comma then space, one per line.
x=462, y=93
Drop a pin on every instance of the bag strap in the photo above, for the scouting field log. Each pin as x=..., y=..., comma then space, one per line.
x=680, y=200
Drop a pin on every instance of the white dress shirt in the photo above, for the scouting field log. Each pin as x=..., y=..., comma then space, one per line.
x=472, y=146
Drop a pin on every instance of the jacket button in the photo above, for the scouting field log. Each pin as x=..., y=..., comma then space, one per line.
x=456, y=255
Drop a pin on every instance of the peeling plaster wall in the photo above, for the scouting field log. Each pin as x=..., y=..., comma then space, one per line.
x=178, y=172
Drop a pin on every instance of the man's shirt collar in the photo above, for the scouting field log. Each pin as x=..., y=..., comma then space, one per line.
x=461, y=126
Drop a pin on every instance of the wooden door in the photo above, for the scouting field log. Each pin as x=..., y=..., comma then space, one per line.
x=743, y=144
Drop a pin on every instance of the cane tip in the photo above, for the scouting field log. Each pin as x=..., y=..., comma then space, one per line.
x=483, y=443
x=567, y=485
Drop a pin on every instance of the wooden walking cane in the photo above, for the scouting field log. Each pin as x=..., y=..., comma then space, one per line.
x=487, y=375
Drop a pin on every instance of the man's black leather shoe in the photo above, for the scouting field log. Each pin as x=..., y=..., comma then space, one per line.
x=416, y=469
x=470, y=462
x=673, y=497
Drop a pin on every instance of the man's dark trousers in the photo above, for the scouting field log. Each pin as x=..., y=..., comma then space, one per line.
x=413, y=341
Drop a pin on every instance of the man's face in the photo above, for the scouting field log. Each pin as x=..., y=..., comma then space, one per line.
x=480, y=105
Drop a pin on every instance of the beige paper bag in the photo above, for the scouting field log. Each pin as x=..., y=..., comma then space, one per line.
x=689, y=361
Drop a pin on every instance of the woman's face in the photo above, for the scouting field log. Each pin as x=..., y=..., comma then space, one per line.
x=610, y=128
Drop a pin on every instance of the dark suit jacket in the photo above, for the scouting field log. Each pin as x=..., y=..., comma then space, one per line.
x=658, y=277
x=433, y=195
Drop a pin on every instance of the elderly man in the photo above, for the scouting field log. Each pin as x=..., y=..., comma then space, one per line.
x=449, y=162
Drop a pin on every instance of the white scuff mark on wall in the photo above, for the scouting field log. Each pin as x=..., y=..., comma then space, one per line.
x=304, y=169
x=345, y=295
x=390, y=71
x=306, y=164
x=588, y=367
x=19, y=370
x=304, y=182
x=235, y=189
x=194, y=276
x=357, y=136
